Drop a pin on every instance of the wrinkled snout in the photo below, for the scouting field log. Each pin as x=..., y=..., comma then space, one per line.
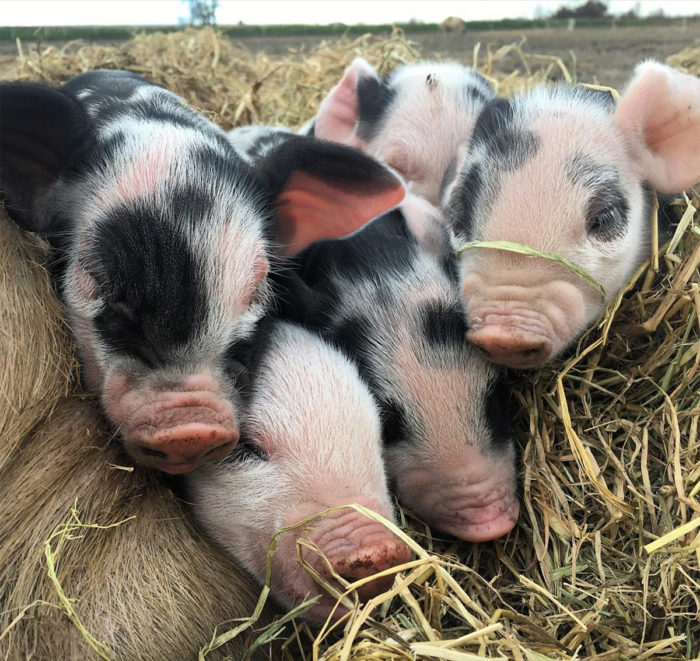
x=376, y=551
x=181, y=448
x=523, y=318
x=477, y=503
x=356, y=547
x=477, y=519
x=176, y=429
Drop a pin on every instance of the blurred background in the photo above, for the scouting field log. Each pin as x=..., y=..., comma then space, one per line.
x=599, y=40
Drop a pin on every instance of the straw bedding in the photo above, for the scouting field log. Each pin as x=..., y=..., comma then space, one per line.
x=604, y=562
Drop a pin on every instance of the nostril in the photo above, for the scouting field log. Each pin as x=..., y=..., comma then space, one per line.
x=150, y=452
x=533, y=351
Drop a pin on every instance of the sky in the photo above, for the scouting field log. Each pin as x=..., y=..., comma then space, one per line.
x=230, y=12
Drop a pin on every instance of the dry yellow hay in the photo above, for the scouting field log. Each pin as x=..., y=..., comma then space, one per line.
x=605, y=561
x=36, y=369
x=687, y=60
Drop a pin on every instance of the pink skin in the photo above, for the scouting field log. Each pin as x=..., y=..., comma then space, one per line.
x=318, y=432
x=175, y=426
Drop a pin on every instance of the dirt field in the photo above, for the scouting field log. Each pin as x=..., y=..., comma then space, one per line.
x=598, y=55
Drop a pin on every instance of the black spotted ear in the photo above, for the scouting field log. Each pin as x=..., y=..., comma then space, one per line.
x=339, y=113
x=40, y=129
x=322, y=190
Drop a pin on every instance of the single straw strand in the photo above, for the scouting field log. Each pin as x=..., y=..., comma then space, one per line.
x=511, y=246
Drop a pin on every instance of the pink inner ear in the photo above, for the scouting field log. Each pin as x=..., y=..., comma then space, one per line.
x=339, y=111
x=310, y=209
x=661, y=113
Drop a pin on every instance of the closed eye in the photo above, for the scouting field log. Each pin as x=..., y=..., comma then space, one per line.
x=602, y=220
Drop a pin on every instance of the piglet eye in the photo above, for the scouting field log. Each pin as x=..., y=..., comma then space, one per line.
x=601, y=220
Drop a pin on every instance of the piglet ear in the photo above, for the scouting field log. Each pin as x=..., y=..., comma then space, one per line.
x=660, y=115
x=39, y=130
x=321, y=190
x=339, y=112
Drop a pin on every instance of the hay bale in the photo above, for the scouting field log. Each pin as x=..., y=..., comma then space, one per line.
x=687, y=60
x=604, y=563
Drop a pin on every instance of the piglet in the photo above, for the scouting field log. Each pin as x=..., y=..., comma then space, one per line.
x=388, y=296
x=310, y=442
x=414, y=120
x=164, y=238
x=566, y=172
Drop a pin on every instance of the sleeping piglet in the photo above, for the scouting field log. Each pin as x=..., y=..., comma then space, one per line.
x=388, y=296
x=413, y=120
x=566, y=172
x=164, y=238
x=310, y=442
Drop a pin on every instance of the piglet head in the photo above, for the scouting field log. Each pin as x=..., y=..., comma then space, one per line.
x=413, y=120
x=448, y=447
x=164, y=239
x=562, y=171
x=312, y=443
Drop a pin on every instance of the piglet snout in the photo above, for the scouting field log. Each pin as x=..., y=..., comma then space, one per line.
x=181, y=449
x=357, y=547
x=512, y=346
x=369, y=560
x=479, y=521
x=179, y=430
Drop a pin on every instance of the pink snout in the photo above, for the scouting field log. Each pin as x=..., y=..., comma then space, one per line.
x=355, y=547
x=475, y=521
x=358, y=547
x=471, y=497
x=374, y=557
x=182, y=448
x=511, y=345
x=181, y=431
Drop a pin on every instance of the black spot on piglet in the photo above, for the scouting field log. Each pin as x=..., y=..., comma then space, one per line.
x=443, y=325
x=497, y=412
x=395, y=425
